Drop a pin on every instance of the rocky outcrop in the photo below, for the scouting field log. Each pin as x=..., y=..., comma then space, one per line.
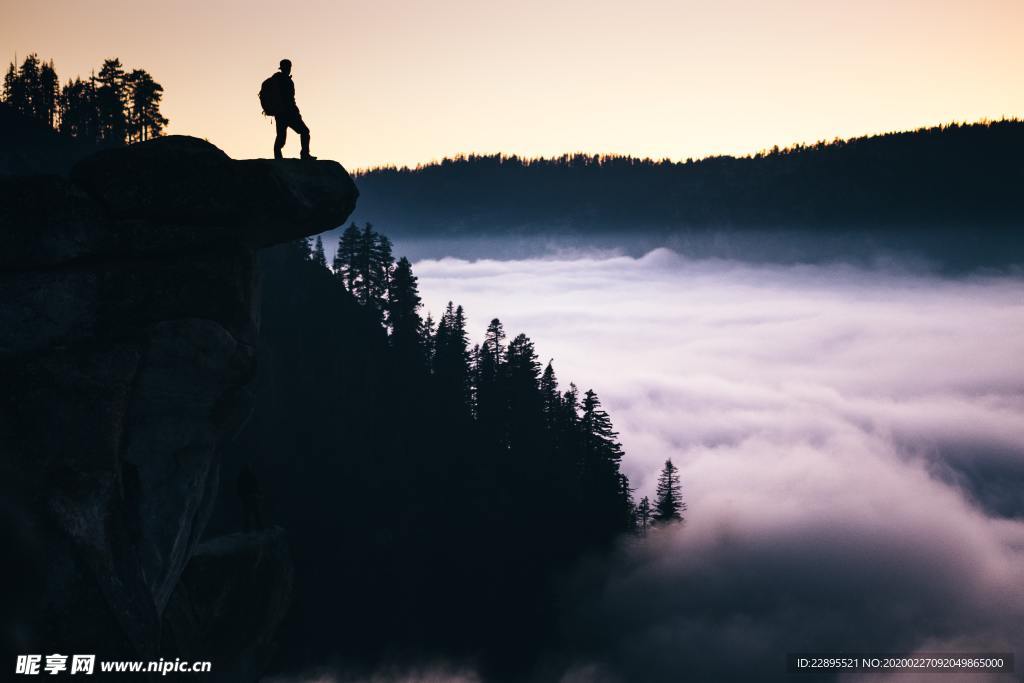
x=31, y=146
x=227, y=605
x=129, y=314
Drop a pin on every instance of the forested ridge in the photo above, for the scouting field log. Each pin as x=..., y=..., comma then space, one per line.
x=113, y=106
x=435, y=491
x=962, y=175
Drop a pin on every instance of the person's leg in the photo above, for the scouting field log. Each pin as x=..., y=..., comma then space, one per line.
x=282, y=134
x=300, y=127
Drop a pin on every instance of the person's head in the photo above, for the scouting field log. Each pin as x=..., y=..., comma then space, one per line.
x=286, y=66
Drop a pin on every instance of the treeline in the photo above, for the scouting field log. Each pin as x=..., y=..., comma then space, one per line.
x=364, y=264
x=436, y=492
x=957, y=174
x=113, y=106
x=557, y=447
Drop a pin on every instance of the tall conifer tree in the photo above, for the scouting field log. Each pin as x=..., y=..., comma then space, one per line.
x=143, y=96
x=111, y=102
x=346, y=258
x=668, y=503
x=319, y=257
x=403, y=309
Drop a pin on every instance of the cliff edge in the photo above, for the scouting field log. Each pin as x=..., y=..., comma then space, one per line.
x=129, y=316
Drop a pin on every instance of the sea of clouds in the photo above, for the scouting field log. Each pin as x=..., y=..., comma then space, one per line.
x=850, y=439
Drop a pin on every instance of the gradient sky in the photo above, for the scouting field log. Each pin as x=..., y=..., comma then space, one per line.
x=410, y=81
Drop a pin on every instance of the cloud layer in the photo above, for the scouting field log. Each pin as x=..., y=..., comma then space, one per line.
x=851, y=444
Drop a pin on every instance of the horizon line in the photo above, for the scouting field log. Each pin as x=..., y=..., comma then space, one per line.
x=764, y=151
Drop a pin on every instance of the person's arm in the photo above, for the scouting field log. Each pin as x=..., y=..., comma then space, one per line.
x=287, y=91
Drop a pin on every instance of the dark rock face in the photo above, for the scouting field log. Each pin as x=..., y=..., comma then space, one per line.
x=128, y=328
x=233, y=594
x=31, y=146
x=170, y=195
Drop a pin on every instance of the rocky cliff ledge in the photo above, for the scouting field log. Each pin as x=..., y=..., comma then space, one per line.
x=129, y=313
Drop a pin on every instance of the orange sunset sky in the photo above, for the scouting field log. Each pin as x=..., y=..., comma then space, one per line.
x=383, y=81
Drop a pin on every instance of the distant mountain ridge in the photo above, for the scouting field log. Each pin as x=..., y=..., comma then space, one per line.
x=958, y=175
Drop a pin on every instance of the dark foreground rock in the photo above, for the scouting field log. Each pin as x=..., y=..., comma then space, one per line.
x=226, y=608
x=129, y=316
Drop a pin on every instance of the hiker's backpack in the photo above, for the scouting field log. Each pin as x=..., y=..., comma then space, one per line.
x=270, y=96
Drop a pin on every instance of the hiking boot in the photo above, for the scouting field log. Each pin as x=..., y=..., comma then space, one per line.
x=308, y=157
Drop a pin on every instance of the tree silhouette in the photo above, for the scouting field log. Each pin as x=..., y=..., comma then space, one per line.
x=375, y=463
x=551, y=399
x=79, y=116
x=601, y=439
x=110, y=102
x=403, y=312
x=523, y=396
x=668, y=503
x=346, y=258
x=365, y=263
x=111, y=108
x=12, y=93
x=48, y=107
x=451, y=358
x=29, y=77
x=600, y=454
x=319, y=257
x=643, y=515
x=22, y=85
x=868, y=183
x=143, y=96
x=427, y=332
x=488, y=384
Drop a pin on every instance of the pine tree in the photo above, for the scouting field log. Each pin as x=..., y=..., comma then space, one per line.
x=11, y=86
x=571, y=404
x=427, y=333
x=459, y=324
x=600, y=438
x=110, y=102
x=668, y=503
x=21, y=87
x=643, y=515
x=31, y=95
x=605, y=492
x=143, y=95
x=79, y=117
x=451, y=357
x=521, y=361
x=494, y=339
x=363, y=285
x=346, y=259
x=552, y=400
x=489, y=387
x=366, y=264
x=306, y=244
x=382, y=265
x=319, y=257
x=522, y=375
x=627, y=502
x=49, y=94
x=403, y=309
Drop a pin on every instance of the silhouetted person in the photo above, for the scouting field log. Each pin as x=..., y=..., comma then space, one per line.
x=286, y=112
x=252, y=499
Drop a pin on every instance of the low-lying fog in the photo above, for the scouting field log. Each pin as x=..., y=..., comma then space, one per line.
x=850, y=438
